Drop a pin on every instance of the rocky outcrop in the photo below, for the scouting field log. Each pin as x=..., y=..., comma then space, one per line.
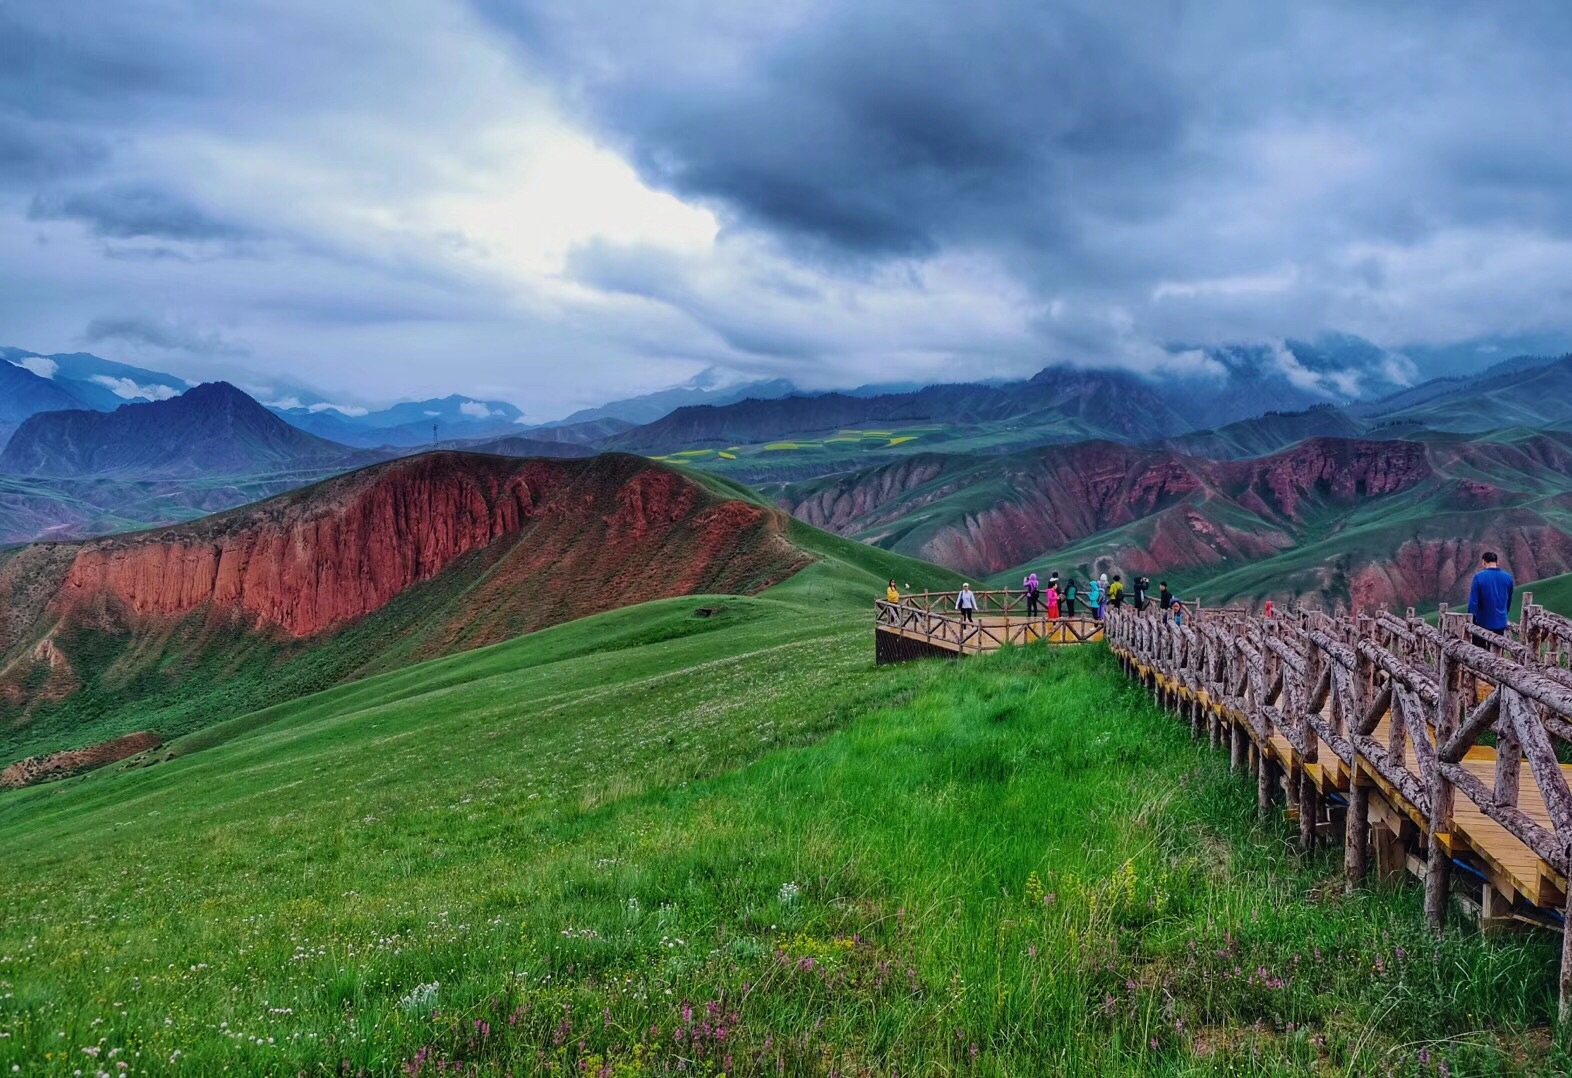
x=1155, y=511
x=59, y=765
x=312, y=561
x=840, y=503
x=1322, y=470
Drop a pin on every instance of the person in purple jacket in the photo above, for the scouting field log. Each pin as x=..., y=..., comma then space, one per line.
x=1491, y=596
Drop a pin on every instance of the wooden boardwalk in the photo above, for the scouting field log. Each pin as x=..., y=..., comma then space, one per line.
x=1435, y=748
x=1426, y=749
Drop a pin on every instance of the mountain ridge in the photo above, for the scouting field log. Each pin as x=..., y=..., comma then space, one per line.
x=210, y=429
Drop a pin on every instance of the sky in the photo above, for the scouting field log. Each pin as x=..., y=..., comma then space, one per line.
x=559, y=203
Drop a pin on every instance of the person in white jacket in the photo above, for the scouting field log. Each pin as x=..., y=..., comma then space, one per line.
x=966, y=602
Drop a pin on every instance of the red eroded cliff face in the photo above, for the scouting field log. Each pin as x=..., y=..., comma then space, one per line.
x=1334, y=470
x=309, y=565
x=841, y=504
x=985, y=516
x=1423, y=569
x=582, y=536
x=632, y=533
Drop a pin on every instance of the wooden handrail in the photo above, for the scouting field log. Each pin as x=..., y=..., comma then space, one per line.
x=1286, y=685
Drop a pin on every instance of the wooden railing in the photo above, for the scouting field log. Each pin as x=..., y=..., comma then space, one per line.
x=1373, y=724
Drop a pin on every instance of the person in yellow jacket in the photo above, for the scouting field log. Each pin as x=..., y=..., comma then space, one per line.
x=1116, y=592
x=892, y=593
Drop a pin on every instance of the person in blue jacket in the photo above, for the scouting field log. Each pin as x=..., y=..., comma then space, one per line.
x=1491, y=596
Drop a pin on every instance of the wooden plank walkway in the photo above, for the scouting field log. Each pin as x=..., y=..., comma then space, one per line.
x=1369, y=727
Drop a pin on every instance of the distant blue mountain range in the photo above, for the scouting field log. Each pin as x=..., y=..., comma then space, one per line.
x=1236, y=382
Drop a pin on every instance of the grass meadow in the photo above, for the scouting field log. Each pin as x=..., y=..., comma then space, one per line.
x=720, y=846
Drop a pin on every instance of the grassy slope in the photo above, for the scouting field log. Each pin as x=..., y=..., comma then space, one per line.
x=1554, y=593
x=1536, y=397
x=1013, y=865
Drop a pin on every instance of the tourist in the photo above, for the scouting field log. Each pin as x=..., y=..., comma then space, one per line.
x=1094, y=598
x=1267, y=610
x=1052, y=596
x=1490, y=598
x=966, y=602
x=1116, y=592
x=1033, y=591
x=892, y=593
x=1069, y=598
x=1142, y=585
x=1165, y=598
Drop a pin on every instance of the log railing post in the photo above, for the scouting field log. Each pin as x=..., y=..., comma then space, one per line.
x=1309, y=810
x=1525, y=626
x=1438, y=866
x=1509, y=753
x=1564, y=982
x=1356, y=839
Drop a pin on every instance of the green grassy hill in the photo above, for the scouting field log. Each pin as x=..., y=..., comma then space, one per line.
x=650, y=842
x=1554, y=593
x=1537, y=396
x=1267, y=433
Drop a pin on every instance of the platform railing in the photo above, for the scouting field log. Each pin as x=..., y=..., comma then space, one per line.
x=1001, y=618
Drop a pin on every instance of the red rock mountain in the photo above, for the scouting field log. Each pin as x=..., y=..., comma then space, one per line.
x=983, y=516
x=1359, y=519
x=405, y=560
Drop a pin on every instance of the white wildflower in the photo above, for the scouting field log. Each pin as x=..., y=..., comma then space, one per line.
x=421, y=996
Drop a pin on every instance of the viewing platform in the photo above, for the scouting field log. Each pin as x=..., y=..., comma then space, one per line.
x=926, y=624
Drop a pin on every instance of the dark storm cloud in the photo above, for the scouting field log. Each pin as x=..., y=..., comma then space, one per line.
x=1100, y=150
x=885, y=128
x=32, y=153
x=658, y=275
x=134, y=210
